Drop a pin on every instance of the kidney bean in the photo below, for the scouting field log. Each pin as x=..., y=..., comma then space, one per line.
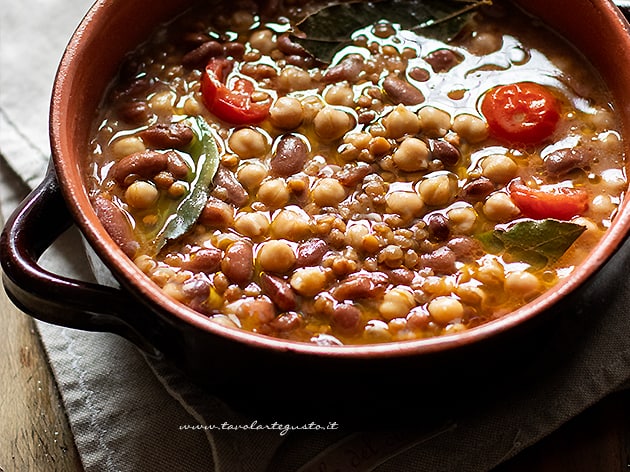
x=197, y=286
x=419, y=74
x=176, y=166
x=361, y=284
x=134, y=112
x=234, y=49
x=290, y=156
x=477, y=190
x=444, y=151
x=290, y=48
x=137, y=88
x=168, y=136
x=441, y=261
x=198, y=57
x=238, y=263
x=465, y=248
x=348, y=69
x=438, y=227
x=401, y=91
x=351, y=175
x=346, y=318
x=400, y=276
x=287, y=322
x=561, y=161
x=366, y=117
x=259, y=308
x=145, y=164
x=310, y=253
x=443, y=60
x=217, y=213
x=207, y=260
x=279, y=291
x=236, y=193
x=115, y=223
x=259, y=71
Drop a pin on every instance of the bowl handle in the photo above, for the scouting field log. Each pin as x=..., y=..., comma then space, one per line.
x=37, y=222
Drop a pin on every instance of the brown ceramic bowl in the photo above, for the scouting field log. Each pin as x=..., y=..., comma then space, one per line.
x=208, y=352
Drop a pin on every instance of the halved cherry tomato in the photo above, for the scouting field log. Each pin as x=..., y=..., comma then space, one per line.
x=561, y=203
x=231, y=102
x=522, y=113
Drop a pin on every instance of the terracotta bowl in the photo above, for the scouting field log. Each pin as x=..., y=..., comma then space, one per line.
x=212, y=354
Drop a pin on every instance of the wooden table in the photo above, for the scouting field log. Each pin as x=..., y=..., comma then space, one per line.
x=35, y=435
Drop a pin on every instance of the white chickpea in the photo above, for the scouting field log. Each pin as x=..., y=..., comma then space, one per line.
x=328, y=192
x=471, y=128
x=400, y=122
x=141, y=195
x=445, y=309
x=602, y=119
x=311, y=105
x=438, y=190
x=405, y=204
x=276, y=256
x=522, y=283
x=614, y=181
x=252, y=174
x=331, y=123
x=263, y=40
x=499, y=168
x=309, y=281
x=396, y=303
x=434, y=122
x=291, y=224
x=274, y=193
x=602, y=206
x=251, y=224
x=592, y=232
x=193, y=107
x=500, y=207
x=248, y=143
x=128, y=145
x=355, y=233
x=340, y=94
x=462, y=220
x=163, y=102
x=286, y=113
x=491, y=272
x=412, y=155
x=470, y=293
x=293, y=78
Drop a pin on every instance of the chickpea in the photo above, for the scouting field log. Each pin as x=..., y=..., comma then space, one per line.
x=141, y=195
x=434, y=122
x=274, y=193
x=602, y=119
x=286, y=113
x=252, y=174
x=193, y=107
x=291, y=224
x=242, y=20
x=276, y=256
x=397, y=303
x=462, y=220
x=471, y=128
x=331, y=123
x=613, y=182
x=311, y=105
x=500, y=207
x=248, y=143
x=522, y=283
x=405, y=204
x=400, y=122
x=252, y=224
x=293, y=78
x=602, y=206
x=445, y=309
x=491, y=272
x=438, y=190
x=128, y=145
x=592, y=232
x=499, y=168
x=328, y=192
x=163, y=102
x=355, y=234
x=263, y=40
x=340, y=94
x=309, y=281
x=412, y=155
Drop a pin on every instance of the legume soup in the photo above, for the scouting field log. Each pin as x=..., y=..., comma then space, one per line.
x=410, y=182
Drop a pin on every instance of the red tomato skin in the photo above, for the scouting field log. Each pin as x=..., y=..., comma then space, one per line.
x=233, y=104
x=521, y=113
x=561, y=203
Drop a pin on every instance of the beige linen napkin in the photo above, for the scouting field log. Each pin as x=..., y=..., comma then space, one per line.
x=129, y=413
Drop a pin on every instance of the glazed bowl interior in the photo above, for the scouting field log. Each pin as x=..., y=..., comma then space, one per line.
x=114, y=27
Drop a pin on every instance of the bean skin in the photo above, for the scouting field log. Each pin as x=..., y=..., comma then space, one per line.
x=401, y=91
x=289, y=47
x=310, y=253
x=563, y=161
x=206, y=260
x=351, y=175
x=438, y=227
x=176, y=165
x=135, y=112
x=347, y=318
x=290, y=156
x=361, y=284
x=168, y=136
x=238, y=263
x=477, y=190
x=116, y=225
x=199, y=56
x=236, y=193
x=442, y=260
x=444, y=151
x=348, y=69
x=287, y=322
x=442, y=60
x=279, y=291
x=144, y=164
